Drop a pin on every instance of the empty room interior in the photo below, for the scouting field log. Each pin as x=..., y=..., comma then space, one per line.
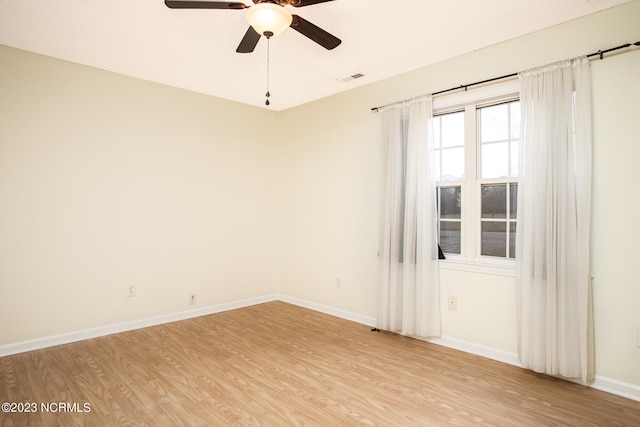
x=175, y=252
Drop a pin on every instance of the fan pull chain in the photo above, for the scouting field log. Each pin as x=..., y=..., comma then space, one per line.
x=268, y=35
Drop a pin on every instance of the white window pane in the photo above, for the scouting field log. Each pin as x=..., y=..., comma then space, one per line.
x=495, y=160
x=494, y=123
x=514, y=158
x=452, y=129
x=436, y=165
x=452, y=164
x=515, y=120
x=436, y=132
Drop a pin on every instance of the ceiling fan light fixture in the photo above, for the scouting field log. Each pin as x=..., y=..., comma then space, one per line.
x=268, y=18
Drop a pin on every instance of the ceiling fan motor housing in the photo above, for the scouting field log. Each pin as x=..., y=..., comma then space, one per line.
x=268, y=17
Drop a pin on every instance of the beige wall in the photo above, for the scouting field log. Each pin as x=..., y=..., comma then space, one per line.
x=107, y=181
x=331, y=177
x=616, y=229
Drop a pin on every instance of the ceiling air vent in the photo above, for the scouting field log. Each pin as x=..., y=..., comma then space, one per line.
x=352, y=77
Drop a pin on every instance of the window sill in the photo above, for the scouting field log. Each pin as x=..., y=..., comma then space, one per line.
x=498, y=268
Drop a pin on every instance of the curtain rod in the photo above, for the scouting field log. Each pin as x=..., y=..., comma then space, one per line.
x=599, y=53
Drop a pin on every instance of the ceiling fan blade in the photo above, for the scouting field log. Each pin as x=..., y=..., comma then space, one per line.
x=315, y=33
x=302, y=3
x=176, y=4
x=249, y=41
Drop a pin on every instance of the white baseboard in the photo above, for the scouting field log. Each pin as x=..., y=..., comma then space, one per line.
x=343, y=314
x=69, y=337
x=477, y=349
x=630, y=391
x=609, y=385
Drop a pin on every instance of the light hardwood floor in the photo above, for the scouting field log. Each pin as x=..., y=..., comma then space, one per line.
x=276, y=364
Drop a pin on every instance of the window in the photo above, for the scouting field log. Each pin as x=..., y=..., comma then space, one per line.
x=498, y=138
x=476, y=167
x=449, y=153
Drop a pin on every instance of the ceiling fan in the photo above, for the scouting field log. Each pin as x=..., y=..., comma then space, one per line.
x=268, y=18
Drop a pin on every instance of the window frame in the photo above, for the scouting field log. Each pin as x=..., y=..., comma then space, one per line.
x=470, y=239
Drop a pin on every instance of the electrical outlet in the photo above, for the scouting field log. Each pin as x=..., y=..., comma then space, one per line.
x=192, y=299
x=338, y=285
x=453, y=303
x=131, y=291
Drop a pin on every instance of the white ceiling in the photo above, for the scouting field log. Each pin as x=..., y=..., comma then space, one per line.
x=195, y=49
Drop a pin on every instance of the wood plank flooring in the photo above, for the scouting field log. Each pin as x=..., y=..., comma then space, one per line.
x=276, y=364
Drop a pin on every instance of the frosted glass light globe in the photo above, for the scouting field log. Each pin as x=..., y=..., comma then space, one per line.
x=268, y=17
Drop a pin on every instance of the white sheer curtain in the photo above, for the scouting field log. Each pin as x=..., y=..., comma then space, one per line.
x=554, y=206
x=409, y=301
